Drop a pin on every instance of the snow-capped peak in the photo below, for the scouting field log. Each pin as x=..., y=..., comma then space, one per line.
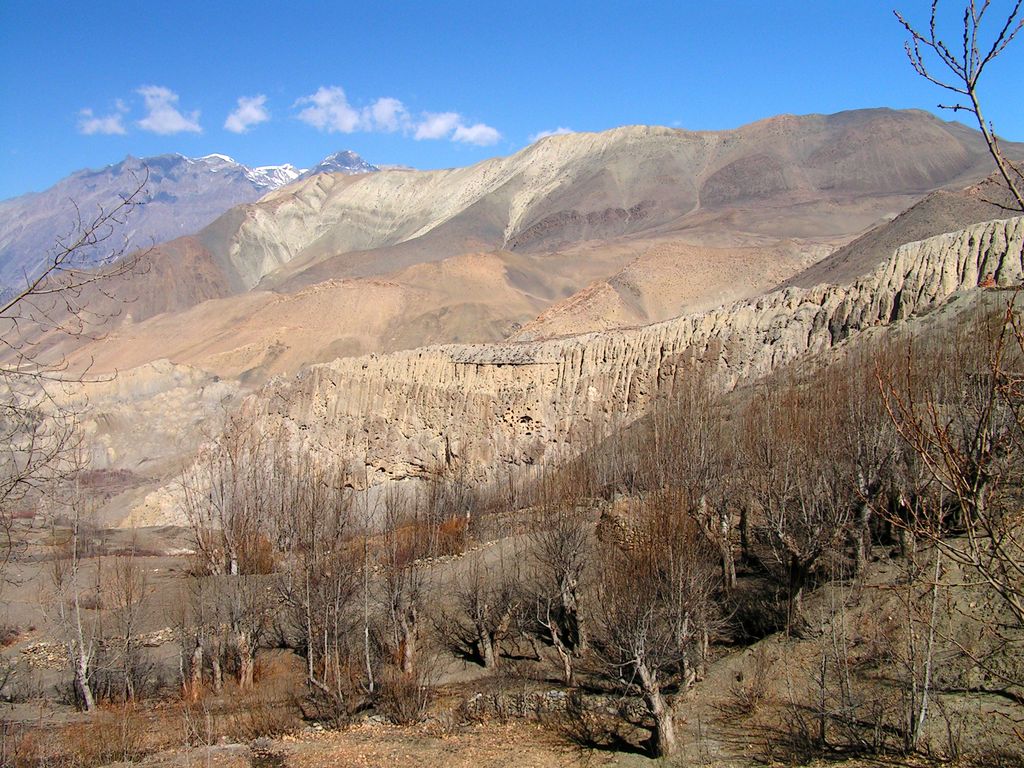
x=346, y=161
x=273, y=176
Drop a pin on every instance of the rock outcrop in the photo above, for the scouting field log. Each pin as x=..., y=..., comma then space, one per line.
x=492, y=408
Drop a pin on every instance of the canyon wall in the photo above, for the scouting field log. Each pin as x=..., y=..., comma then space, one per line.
x=490, y=408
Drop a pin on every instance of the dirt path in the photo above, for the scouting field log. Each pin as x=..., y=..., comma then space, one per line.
x=481, y=746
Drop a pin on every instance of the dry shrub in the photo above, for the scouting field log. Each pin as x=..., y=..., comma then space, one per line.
x=91, y=601
x=429, y=538
x=404, y=698
x=257, y=555
x=451, y=536
x=18, y=745
x=270, y=708
x=107, y=736
x=9, y=635
x=256, y=713
x=750, y=689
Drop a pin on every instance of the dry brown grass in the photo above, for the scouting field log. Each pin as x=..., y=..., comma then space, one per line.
x=115, y=734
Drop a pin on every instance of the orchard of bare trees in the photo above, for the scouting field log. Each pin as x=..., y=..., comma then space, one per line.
x=890, y=476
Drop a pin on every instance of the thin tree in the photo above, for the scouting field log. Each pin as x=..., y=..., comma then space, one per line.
x=791, y=469
x=692, y=444
x=561, y=547
x=655, y=609
x=960, y=67
x=79, y=633
x=129, y=592
x=228, y=497
x=38, y=438
x=960, y=410
x=405, y=540
x=321, y=576
x=488, y=601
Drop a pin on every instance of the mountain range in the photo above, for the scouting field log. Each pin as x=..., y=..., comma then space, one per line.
x=574, y=242
x=575, y=233
x=181, y=196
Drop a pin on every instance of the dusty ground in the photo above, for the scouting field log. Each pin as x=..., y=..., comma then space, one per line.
x=466, y=725
x=513, y=745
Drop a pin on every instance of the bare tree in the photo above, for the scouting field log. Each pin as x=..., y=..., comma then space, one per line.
x=229, y=497
x=321, y=576
x=655, y=609
x=960, y=410
x=129, y=592
x=791, y=467
x=692, y=439
x=67, y=574
x=405, y=540
x=561, y=547
x=38, y=439
x=488, y=600
x=862, y=441
x=961, y=66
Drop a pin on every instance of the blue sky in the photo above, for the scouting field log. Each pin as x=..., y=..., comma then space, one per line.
x=431, y=84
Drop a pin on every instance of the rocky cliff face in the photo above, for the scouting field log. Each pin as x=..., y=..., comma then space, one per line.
x=491, y=408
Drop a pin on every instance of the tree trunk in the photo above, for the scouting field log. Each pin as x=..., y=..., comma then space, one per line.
x=575, y=636
x=564, y=654
x=195, y=672
x=568, y=675
x=728, y=565
x=129, y=683
x=663, y=739
x=82, y=687
x=216, y=653
x=926, y=684
x=79, y=652
x=797, y=579
x=408, y=650
x=862, y=538
x=246, y=660
x=703, y=650
x=485, y=647
x=745, y=534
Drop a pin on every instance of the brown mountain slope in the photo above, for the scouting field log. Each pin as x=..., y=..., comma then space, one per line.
x=807, y=176
x=480, y=297
x=942, y=211
x=400, y=259
x=671, y=279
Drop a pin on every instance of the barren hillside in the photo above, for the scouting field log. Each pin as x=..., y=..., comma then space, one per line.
x=489, y=409
x=574, y=233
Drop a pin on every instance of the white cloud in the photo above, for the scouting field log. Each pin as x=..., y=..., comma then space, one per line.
x=113, y=124
x=251, y=110
x=560, y=131
x=479, y=134
x=330, y=111
x=162, y=116
x=437, y=125
x=388, y=115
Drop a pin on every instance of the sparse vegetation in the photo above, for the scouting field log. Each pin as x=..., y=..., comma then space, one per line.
x=822, y=562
